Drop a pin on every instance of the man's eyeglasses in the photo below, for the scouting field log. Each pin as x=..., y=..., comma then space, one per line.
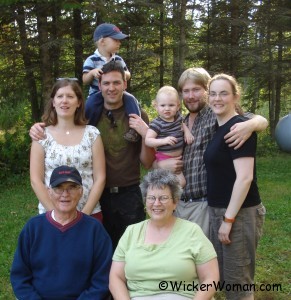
x=70, y=190
x=163, y=199
x=110, y=117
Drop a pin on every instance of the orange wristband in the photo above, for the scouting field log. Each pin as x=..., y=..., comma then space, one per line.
x=227, y=220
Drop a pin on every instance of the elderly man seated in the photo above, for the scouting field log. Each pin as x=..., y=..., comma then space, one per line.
x=62, y=254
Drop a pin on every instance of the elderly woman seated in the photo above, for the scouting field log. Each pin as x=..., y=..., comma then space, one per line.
x=163, y=257
x=62, y=254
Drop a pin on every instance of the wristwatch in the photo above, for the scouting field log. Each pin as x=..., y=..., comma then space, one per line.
x=227, y=220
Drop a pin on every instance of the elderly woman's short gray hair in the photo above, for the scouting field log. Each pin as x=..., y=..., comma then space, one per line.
x=160, y=178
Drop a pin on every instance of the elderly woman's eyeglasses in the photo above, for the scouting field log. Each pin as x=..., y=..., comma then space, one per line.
x=110, y=117
x=70, y=190
x=163, y=199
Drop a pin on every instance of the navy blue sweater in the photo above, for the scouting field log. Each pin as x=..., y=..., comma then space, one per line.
x=55, y=262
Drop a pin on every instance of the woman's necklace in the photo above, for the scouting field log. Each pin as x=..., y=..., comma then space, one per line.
x=60, y=130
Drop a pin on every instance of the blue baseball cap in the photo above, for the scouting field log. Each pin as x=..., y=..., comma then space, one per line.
x=63, y=174
x=108, y=30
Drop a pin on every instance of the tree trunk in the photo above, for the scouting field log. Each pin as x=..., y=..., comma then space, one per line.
x=55, y=45
x=78, y=47
x=234, y=38
x=26, y=55
x=161, y=49
x=208, y=38
x=44, y=53
x=271, y=76
x=271, y=86
x=279, y=78
x=179, y=39
x=182, y=44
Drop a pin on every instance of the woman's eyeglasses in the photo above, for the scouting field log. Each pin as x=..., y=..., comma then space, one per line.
x=220, y=95
x=110, y=117
x=163, y=199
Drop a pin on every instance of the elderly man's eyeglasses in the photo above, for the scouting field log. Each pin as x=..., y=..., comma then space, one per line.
x=70, y=190
x=163, y=199
x=110, y=117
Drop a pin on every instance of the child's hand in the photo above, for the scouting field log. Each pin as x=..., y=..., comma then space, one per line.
x=170, y=140
x=97, y=73
x=188, y=138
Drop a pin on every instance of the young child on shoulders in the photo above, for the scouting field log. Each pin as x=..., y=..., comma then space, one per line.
x=168, y=132
x=107, y=38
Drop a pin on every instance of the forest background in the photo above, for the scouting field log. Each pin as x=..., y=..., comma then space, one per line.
x=41, y=40
x=46, y=39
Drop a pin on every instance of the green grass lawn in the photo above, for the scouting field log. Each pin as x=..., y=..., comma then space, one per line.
x=18, y=204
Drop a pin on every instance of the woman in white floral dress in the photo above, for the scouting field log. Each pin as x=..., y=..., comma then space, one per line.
x=69, y=141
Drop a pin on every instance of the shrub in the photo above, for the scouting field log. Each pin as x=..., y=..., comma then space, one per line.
x=15, y=142
x=266, y=145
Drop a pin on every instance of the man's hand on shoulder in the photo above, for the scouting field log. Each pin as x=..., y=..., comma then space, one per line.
x=241, y=131
x=238, y=134
x=36, y=132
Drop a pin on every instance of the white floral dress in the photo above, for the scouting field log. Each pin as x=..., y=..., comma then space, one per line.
x=78, y=156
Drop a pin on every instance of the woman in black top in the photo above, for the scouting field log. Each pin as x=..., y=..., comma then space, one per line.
x=236, y=211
